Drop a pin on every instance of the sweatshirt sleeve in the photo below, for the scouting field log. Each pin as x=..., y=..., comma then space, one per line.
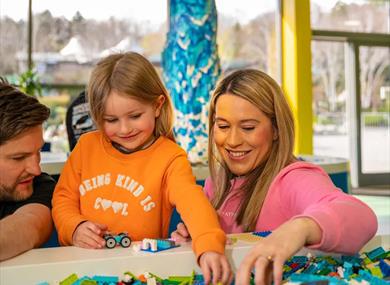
x=194, y=208
x=66, y=199
x=346, y=222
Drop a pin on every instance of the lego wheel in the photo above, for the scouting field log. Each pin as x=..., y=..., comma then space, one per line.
x=125, y=241
x=110, y=242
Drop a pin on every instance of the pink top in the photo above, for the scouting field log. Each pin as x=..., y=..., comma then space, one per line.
x=305, y=190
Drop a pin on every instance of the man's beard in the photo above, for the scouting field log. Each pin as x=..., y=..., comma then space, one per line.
x=9, y=193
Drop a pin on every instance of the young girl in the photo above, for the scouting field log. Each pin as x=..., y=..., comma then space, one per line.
x=257, y=184
x=128, y=175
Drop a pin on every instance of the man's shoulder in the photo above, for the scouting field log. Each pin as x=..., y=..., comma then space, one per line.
x=43, y=180
x=43, y=188
x=44, y=177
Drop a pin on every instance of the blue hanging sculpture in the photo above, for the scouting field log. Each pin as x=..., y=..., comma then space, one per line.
x=191, y=68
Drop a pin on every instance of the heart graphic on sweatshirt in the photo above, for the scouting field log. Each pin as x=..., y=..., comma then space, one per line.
x=117, y=206
x=106, y=204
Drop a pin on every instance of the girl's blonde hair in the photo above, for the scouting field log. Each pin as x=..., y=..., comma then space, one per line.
x=132, y=74
x=262, y=91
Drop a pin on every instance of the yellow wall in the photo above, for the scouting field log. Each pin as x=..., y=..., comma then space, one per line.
x=296, y=69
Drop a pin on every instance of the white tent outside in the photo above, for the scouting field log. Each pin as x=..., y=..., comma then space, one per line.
x=74, y=51
x=127, y=44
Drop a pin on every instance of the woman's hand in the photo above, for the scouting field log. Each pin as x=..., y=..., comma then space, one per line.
x=215, y=266
x=89, y=235
x=268, y=256
x=181, y=234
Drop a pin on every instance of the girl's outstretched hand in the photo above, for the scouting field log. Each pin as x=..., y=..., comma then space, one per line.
x=215, y=267
x=89, y=235
x=181, y=234
x=268, y=256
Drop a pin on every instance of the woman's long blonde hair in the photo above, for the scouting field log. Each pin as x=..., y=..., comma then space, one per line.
x=131, y=74
x=262, y=91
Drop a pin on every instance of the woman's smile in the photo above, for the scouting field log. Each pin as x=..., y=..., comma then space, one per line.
x=242, y=133
x=237, y=155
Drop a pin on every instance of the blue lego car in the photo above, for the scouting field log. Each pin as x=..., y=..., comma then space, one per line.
x=113, y=240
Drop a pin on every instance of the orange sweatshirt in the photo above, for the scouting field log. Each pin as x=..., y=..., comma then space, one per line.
x=133, y=193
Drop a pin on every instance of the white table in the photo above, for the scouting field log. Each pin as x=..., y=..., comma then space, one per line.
x=55, y=264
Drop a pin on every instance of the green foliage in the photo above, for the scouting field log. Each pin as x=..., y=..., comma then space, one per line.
x=325, y=120
x=29, y=83
x=385, y=107
x=57, y=100
x=376, y=120
x=58, y=106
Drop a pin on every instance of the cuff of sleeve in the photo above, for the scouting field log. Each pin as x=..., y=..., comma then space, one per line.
x=214, y=241
x=326, y=222
x=67, y=237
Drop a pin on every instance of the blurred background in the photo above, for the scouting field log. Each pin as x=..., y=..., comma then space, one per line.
x=63, y=40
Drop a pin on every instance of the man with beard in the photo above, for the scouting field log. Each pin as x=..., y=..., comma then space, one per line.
x=25, y=192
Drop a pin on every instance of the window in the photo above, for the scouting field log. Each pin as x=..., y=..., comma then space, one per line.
x=375, y=104
x=350, y=54
x=351, y=15
x=329, y=100
x=247, y=36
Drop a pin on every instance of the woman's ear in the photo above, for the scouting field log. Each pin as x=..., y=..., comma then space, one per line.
x=159, y=103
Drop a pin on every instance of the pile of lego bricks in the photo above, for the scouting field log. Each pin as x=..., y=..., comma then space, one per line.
x=369, y=268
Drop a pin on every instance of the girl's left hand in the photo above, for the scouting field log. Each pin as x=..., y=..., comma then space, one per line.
x=181, y=234
x=268, y=256
x=216, y=266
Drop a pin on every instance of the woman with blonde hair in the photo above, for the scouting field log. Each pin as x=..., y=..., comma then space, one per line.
x=257, y=184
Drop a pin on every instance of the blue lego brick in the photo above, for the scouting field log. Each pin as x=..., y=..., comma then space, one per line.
x=311, y=278
x=81, y=280
x=107, y=280
x=162, y=244
x=355, y=260
x=373, y=254
x=317, y=282
x=385, y=268
x=299, y=259
x=262, y=234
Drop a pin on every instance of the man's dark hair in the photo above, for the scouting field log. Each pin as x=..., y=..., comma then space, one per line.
x=18, y=112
